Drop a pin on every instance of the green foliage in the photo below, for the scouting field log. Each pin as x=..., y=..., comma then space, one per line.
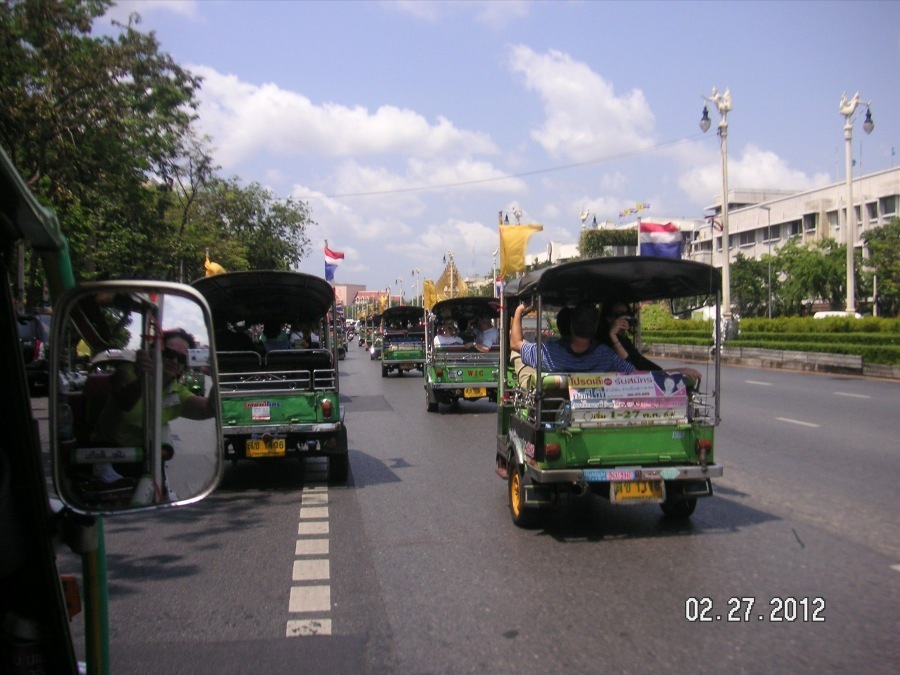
x=884, y=261
x=101, y=129
x=598, y=243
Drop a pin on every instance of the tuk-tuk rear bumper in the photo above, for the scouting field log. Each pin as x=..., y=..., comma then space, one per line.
x=624, y=474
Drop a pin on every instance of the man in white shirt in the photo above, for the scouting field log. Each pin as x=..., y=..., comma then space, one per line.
x=486, y=335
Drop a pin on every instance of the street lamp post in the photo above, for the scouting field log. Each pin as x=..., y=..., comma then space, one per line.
x=768, y=210
x=723, y=105
x=415, y=275
x=494, y=271
x=847, y=108
x=388, y=289
x=399, y=282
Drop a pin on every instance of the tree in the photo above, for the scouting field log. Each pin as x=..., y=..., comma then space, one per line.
x=246, y=228
x=884, y=261
x=95, y=124
x=749, y=284
x=599, y=243
x=808, y=273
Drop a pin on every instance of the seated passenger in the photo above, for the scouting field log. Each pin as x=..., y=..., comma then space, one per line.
x=448, y=335
x=578, y=353
x=486, y=335
x=273, y=336
x=616, y=321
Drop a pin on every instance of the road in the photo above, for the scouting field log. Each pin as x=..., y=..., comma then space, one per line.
x=415, y=566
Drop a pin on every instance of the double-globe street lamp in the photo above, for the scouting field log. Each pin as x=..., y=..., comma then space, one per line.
x=847, y=109
x=723, y=105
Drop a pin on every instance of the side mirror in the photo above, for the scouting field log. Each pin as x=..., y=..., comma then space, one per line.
x=135, y=422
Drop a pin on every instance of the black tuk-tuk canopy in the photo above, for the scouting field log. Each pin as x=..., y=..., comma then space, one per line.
x=406, y=315
x=466, y=308
x=263, y=295
x=622, y=279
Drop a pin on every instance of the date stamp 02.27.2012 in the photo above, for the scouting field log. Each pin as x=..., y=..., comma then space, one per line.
x=748, y=609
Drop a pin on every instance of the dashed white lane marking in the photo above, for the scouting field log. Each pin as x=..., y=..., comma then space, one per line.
x=310, y=591
x=896, y=568
x=761, y=384
x=310, y=599
x=790, y=421
x=310, y=570
x=847, y=393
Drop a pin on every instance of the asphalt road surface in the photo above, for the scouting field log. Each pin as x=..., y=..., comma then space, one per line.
x=414, y=566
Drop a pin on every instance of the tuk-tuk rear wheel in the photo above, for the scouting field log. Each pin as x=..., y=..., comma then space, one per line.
x=521, y=516
x=680, y=510
x=430, y=406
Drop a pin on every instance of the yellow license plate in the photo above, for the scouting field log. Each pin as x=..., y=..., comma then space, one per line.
x=637, y=492
x=474, y=392
x=259, y=448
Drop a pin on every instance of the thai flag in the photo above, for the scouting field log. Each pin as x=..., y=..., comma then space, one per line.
x=332, y=260
x=659, y=240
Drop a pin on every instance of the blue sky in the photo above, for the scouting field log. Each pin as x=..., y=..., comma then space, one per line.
x=554, y=107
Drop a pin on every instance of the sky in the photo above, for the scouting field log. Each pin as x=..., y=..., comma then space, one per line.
x=408, y=125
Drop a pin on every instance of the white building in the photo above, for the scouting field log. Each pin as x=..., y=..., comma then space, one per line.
x=760, y=221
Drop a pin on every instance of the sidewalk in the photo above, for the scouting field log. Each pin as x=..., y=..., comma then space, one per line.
x=776, y=358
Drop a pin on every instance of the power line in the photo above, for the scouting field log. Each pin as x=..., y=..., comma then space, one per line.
x=479, y=181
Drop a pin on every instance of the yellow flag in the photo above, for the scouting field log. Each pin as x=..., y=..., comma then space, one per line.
x=513, y=240
x=429, y=296
x=213, y=267
x=382, y=303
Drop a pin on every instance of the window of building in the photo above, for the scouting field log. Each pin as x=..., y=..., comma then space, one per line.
x=747, y=238
x=872, y=212
x=794, y=228
x=889, y=206
x=810, y=221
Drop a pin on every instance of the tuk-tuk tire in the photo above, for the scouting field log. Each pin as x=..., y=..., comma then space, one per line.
x=430, y=406
x=679, y=510
x=339, y=464
x=521, y=516
x=384, y=371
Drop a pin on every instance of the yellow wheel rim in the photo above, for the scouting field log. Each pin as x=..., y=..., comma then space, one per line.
x=514, y=496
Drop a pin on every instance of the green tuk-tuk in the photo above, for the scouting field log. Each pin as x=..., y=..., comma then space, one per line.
x=281, y=401
x=454, y=372
x=402, y=339
x=633, y=438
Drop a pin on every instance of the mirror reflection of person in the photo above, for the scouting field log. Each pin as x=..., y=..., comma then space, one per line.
x=121, y=422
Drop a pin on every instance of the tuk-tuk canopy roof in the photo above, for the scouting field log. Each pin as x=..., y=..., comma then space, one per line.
x=624, y=279
x=466, y=308
x=263, y=295
x=404, y=314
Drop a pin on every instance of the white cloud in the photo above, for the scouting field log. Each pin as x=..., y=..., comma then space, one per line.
x=246, y=120
x=585, y=119
x=753, y=168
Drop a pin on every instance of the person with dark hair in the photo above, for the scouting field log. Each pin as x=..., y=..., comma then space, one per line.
x=274, y=337
x=617, y=319
x=486, y=335
x=579, y=352
x=121, y=421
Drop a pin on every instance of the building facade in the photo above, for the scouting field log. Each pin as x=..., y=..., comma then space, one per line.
x=761, y=221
